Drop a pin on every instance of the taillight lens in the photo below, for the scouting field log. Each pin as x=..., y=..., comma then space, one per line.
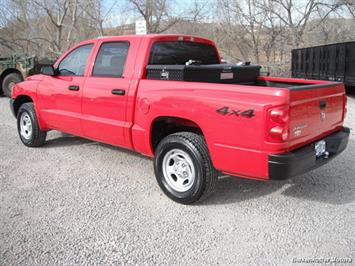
x=279, y=133
x=279, y=116
x=278, y=124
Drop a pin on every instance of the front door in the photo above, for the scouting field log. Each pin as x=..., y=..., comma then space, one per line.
x=59, y=96
x=105, y=95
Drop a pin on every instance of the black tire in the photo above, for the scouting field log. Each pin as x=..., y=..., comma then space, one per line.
x=195, y=147
x=37, y=137
x=8, y=81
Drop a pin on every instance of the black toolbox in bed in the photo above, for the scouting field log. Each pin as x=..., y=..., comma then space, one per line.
x=216, y=73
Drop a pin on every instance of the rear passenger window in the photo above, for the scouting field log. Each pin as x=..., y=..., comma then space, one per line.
x=111, y=59
x=180, y=52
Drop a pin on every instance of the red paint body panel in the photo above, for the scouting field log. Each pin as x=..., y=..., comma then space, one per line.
x=238, y=145
x=60, y=108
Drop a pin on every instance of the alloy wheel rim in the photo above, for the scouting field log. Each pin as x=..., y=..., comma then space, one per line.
x=179, y=170
x=25, y=126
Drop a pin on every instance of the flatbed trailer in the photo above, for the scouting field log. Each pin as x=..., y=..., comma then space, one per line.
x=334, y=62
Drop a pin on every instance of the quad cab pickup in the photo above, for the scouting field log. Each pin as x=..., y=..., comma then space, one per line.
x=267, y=128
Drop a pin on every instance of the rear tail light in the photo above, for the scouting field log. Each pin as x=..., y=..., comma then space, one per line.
x=279, y=133
x=279, y=115
x=278, y=124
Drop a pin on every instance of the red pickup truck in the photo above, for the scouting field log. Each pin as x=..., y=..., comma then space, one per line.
x=266, y=129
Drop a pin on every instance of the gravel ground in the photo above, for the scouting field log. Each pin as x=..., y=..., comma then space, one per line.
x=75, y=201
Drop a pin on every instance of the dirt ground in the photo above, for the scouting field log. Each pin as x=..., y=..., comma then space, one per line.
x=75, y=201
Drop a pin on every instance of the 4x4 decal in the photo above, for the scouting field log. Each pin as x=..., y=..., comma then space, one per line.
x=229, y=111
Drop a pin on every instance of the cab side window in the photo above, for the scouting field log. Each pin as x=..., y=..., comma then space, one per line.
x=75, y=62
x=111, y=59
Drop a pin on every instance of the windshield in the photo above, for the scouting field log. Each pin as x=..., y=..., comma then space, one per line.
x=178, y=53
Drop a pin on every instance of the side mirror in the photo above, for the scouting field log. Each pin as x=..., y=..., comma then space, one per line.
x=47, y=70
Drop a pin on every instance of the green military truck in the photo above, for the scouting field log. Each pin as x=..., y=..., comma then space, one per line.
x=14, y=69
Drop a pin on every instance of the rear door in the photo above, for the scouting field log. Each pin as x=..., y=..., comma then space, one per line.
x=59, y=96
x=105, y=93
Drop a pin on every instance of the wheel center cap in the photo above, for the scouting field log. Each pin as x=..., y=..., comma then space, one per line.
x=182, y=172
x=179, y=171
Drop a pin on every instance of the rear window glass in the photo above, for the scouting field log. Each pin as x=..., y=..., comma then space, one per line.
x=111, y=59
x=178, y=53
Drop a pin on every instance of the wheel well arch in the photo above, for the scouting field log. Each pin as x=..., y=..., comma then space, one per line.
x=7, y=72
x=163, y=126
x=20, y=100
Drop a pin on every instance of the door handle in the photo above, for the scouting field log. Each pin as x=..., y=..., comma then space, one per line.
x=73, y=88
x=118, y=92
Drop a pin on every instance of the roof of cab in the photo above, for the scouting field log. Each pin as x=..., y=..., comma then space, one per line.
x=152, y=37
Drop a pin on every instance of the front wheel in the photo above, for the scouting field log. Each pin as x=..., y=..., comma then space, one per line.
x=27, y=125
x=183, y=167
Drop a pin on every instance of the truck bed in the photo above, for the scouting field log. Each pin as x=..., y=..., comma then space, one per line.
x=291, y=83
x=315, y=107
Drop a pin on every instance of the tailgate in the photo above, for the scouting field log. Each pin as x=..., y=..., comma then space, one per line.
x=315, y=111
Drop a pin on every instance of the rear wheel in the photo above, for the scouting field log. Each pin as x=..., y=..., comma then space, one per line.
x=183, y=167
x=9, y=82
x=27, y=125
